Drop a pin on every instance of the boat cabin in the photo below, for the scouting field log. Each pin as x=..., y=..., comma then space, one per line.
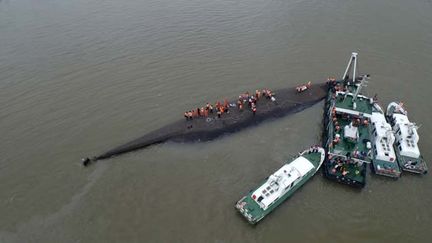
x=281, y=181
x=383, y=138
x=406, y=136
x=351, y=133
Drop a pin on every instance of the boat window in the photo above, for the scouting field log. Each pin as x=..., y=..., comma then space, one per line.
x=268, y=188
x=267, y=194
x=271, y=191
x=264, y=191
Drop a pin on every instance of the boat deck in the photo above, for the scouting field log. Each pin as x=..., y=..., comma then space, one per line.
x=349, y=173
x=313, y=157
x=346, y=102
x=386, y=168
x=412, y=165
x=347, y=148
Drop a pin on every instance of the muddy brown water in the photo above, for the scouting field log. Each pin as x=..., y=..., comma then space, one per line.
x=80, y=77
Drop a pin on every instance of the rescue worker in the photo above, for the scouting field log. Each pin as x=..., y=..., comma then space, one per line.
x=257, y=94
x=336, y=139
x=226, y=103
x=365, y=122
x=254, y=109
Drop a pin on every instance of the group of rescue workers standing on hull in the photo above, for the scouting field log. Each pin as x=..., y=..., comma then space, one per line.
x=219, y=108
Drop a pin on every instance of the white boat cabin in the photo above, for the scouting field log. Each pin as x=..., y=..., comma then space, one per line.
x=406, y=136
x=281, y=182
x=351, y=132
x=383, y=138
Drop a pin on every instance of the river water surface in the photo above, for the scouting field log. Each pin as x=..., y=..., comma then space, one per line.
x=79, y=77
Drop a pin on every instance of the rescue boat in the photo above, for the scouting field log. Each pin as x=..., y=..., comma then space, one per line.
x=279, y=186
x=384, y=160
x=346, y=134
x=406, y=145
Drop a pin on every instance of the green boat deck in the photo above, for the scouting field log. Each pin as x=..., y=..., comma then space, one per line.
x=345, y=147
x=354, y=172
x=346, y=102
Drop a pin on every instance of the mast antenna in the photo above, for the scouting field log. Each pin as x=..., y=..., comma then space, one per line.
x=352, y=64
x=363, y=83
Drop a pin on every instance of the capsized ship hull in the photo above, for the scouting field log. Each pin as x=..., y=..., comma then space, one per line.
x=288, y=101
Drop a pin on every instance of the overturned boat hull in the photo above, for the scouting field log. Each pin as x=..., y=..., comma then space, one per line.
x=288, y=101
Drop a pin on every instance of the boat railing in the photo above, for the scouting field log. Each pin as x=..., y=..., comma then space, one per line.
x=313, y=149
x=351, y=158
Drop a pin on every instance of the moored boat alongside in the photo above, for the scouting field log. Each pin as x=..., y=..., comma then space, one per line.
x=406, y=145
x=346, y=129
x=384, y=158
x=280, y=185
